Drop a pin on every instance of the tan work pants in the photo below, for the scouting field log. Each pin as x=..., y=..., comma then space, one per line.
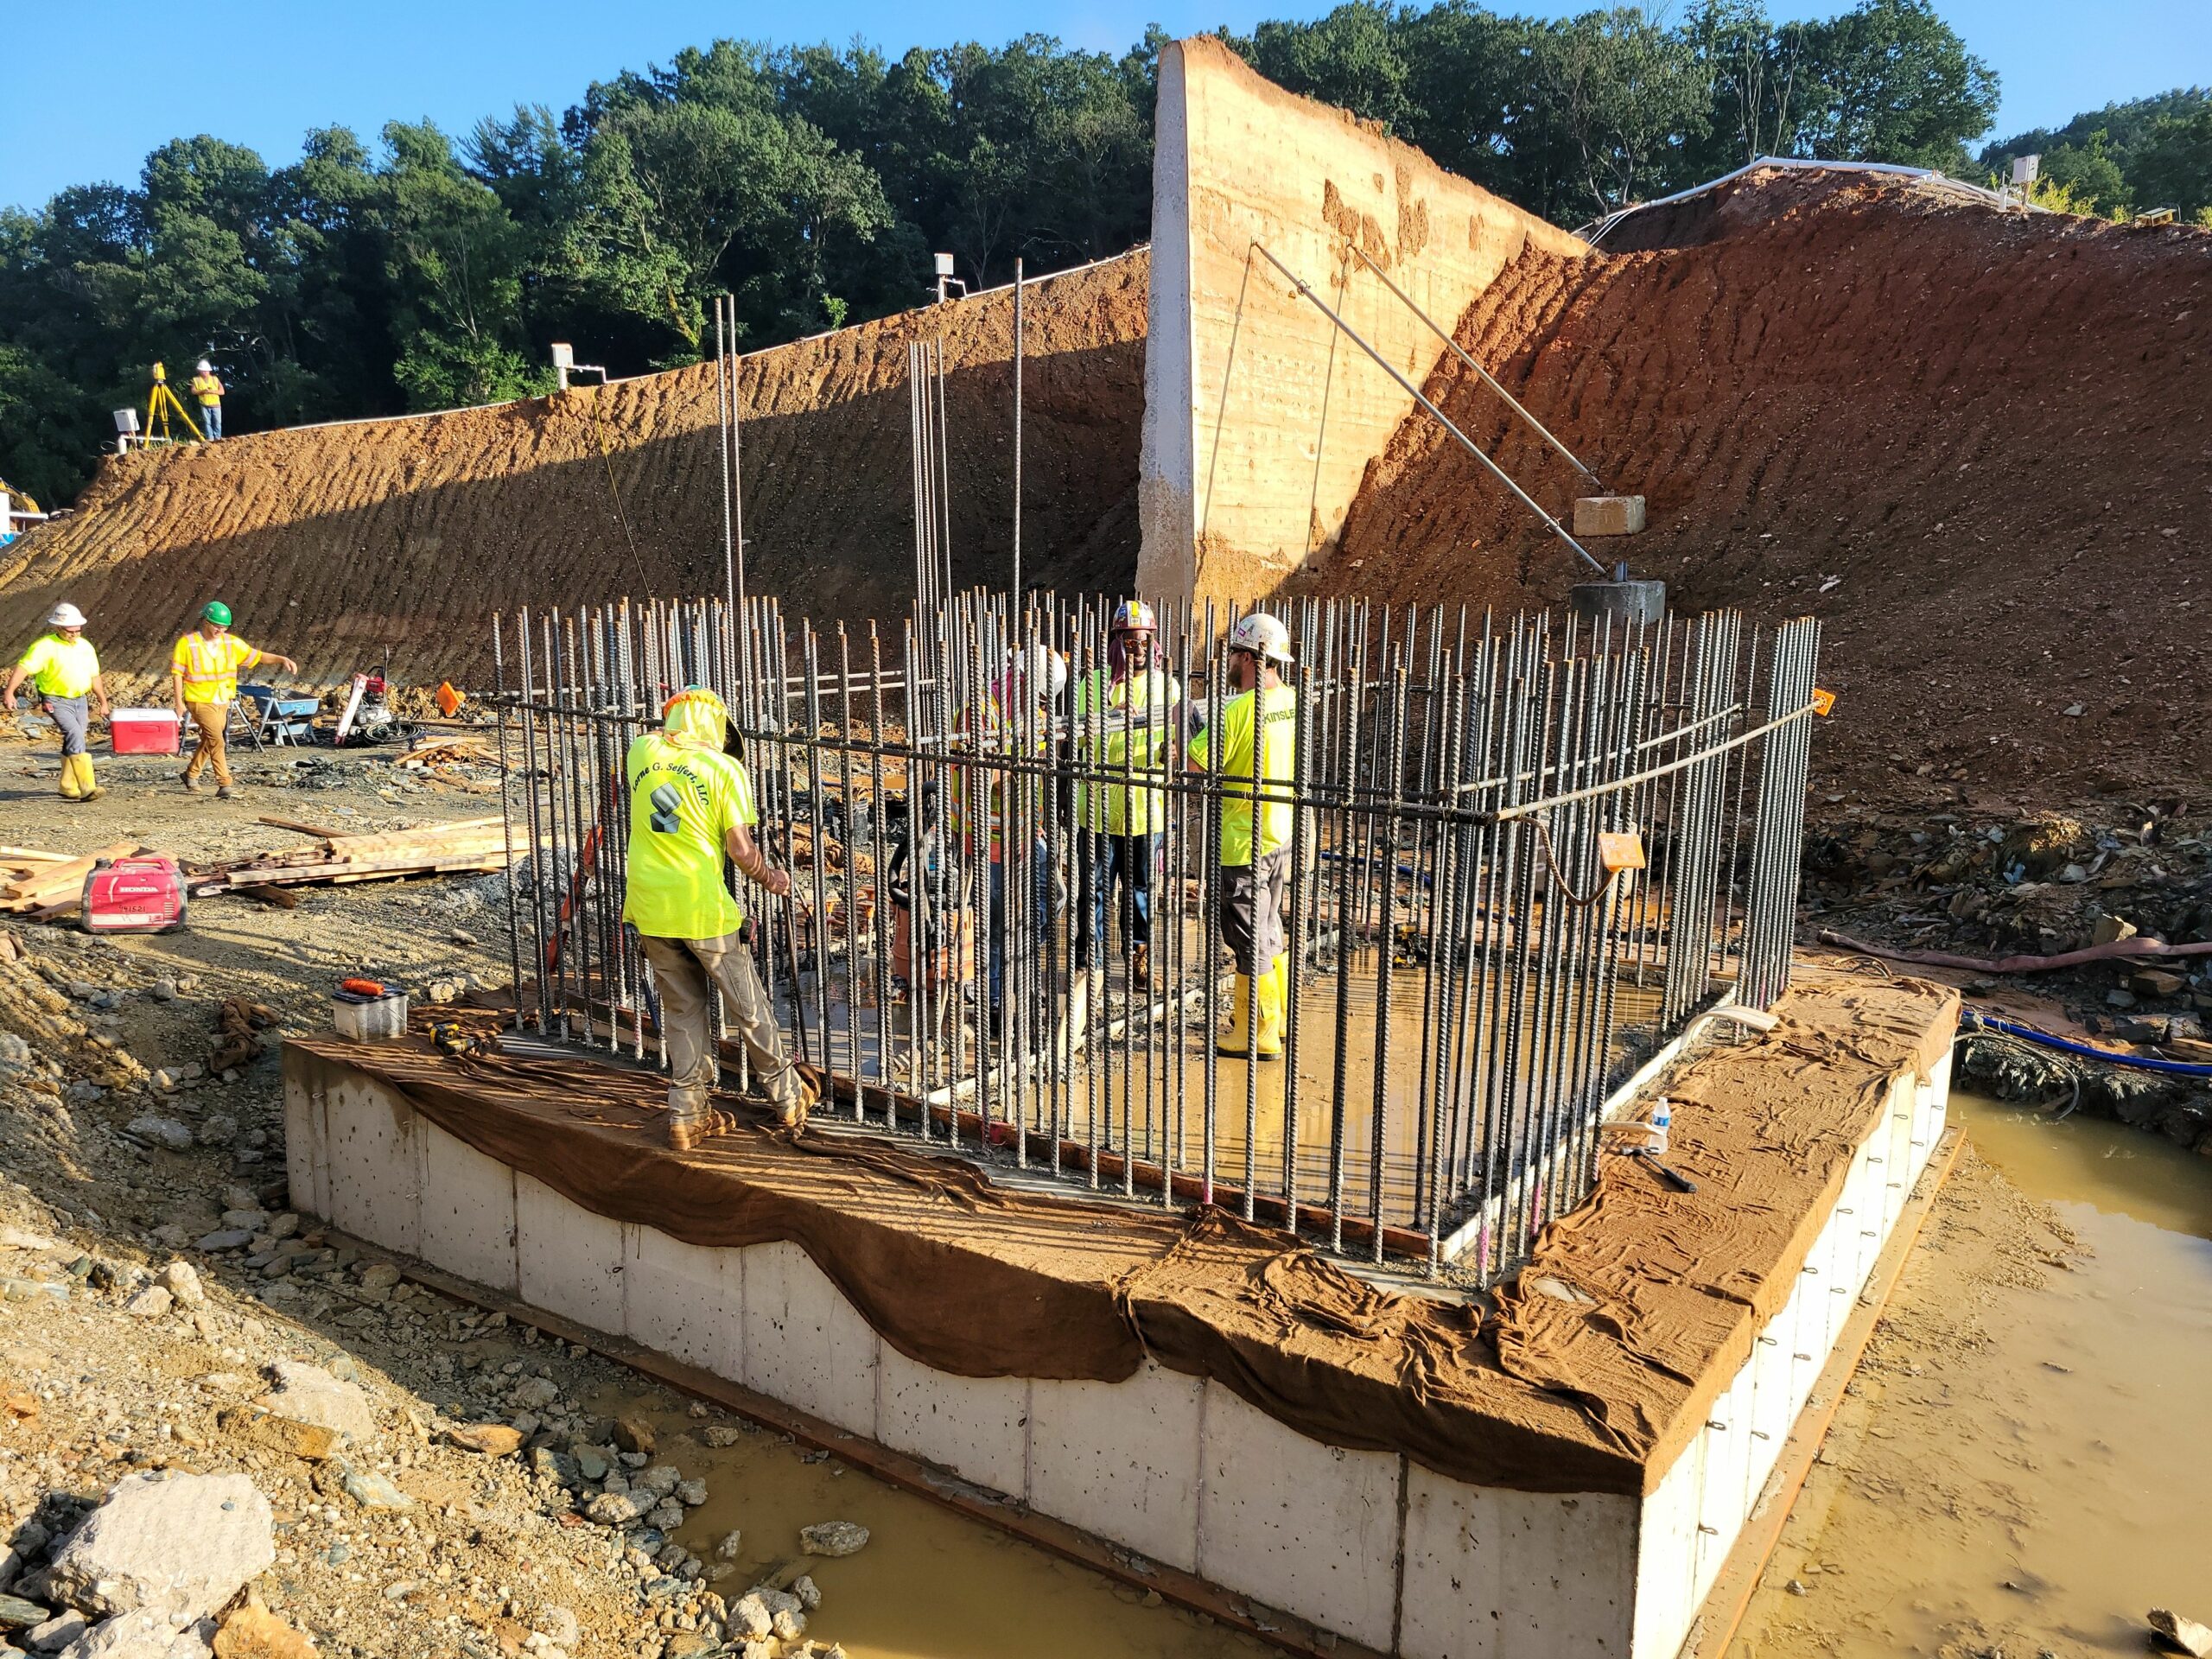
x=212, y=719
x=687, y=973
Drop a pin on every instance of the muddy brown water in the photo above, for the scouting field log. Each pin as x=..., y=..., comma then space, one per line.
x=930, y=1584
x=2024, y=1464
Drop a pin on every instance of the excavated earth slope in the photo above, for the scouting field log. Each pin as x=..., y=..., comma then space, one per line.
x=395, y=540
x=1974, y=445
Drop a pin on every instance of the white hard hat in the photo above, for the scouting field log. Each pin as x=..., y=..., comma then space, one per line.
x=1045, y=668
x=66, y=615
x=204, y=367
x=1262, y=636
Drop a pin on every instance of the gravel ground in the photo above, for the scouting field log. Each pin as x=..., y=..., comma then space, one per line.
x=122, y=1150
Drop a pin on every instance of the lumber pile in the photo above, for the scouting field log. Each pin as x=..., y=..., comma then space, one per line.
x=467, y=845
x=33, y=881
x=446, y=762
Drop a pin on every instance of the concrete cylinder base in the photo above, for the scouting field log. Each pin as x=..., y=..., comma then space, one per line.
x=1620, y=601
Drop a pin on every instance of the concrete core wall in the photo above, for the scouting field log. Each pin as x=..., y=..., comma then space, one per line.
x=1260, y=416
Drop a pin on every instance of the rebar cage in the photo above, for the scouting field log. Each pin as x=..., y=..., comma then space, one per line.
x=978, y=961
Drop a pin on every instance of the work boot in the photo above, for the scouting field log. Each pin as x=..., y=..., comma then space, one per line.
x=686, y=1133
x=792, y=1115
x=190, y=780
x=1269, y=1046
x=226, y=792
x=1141, y=967
x=88, y=788
x=1236, y=1042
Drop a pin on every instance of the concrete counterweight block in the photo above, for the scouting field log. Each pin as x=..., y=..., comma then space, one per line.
x=1620, y=603
x=1608, y=515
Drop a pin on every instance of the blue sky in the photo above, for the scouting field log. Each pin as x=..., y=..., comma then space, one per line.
x=91, y=88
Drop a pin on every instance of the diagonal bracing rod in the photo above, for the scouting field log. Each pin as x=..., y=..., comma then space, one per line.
x=1489, y=380
x=1421, y=397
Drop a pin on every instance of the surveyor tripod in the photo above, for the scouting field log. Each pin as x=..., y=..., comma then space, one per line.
x=160, y=403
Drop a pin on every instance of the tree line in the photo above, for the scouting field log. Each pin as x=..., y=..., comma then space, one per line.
x=2124, y=159
x=431, y=269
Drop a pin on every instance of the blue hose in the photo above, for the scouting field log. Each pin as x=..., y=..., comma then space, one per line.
x=1971, y=1020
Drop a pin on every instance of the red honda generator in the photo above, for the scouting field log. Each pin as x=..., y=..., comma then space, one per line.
x=135, y=895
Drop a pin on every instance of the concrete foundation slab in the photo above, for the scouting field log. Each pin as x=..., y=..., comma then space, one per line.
x=804, y=1343
x=1182, y=1470
x=468, y=1209
x=566, y=1258
x=1115, y=1459
x=684, y=1300
x=1303, y=1526
x=979, y=1430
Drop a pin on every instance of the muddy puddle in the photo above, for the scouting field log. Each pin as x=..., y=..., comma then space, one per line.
x=929, y=1584
x=2024, y=1464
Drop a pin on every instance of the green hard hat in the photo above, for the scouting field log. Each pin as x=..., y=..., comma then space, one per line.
x=218, y=612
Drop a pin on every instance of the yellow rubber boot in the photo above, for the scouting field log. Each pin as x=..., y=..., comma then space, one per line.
x=1236, y=1042
x=88, y=786
x=71, y=789
x=1269, y=1046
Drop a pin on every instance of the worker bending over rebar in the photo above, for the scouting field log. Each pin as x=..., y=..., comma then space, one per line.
x=1255, y=746
x=690, y=805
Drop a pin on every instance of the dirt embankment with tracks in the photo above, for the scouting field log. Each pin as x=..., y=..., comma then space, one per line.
x=1976, y=445
x=395, y=540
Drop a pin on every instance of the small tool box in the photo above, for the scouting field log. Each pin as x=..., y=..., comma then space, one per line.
x=135, y=895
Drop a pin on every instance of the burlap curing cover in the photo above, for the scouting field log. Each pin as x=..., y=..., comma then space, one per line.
x=1591, y=1391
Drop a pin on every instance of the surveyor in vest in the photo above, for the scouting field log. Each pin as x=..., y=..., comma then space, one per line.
x=1120, y=715
x=690, y=807
x=207, y=392
x=1251, y=747
x=64, y=669
x=204, y=670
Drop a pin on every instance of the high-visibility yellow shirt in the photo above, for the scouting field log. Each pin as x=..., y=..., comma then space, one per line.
x=210, y=667
x=684, y=798
x=61, y=668
x=1272, y=717
x=1128, y=732
x=992, y=733
x=207, y=389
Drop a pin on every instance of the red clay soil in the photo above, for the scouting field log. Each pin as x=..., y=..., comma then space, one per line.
x=395, y=540
x=1974, y=445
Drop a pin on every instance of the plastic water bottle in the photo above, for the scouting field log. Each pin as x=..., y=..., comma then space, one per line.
x=1662, y=1119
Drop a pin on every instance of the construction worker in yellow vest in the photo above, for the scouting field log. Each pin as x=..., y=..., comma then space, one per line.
x=1119, y=717
x=208, y=392
x=204, y=671
x=1252, y=745
x=62, y=666
x=691, y=806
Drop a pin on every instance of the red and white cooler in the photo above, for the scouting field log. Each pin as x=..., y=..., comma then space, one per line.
x=145, y=731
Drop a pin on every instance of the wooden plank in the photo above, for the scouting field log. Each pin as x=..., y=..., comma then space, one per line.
x=32, y=855
x=315, y=829
x=55, y=882
x=1725, y=1603
x=1283, y=1630
x=335, y=870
